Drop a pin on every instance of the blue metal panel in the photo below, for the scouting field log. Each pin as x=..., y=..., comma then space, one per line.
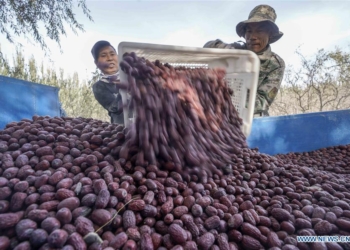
x=22, y=99
x=300, y=133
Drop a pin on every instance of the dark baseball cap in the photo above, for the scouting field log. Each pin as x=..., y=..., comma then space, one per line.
x=98, y=46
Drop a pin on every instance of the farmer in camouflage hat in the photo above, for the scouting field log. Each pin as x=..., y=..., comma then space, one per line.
x=260, y=31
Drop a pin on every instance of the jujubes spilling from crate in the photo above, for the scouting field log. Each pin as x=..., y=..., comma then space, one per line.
x=184, y=117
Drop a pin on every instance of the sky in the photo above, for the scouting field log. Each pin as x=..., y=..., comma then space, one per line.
x=306, y=24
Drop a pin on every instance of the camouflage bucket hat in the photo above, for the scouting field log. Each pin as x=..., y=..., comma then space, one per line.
x=261, y=13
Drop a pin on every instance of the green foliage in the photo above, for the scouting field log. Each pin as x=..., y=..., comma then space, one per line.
x=29, y=17
x=321, y=83
x=75, y=95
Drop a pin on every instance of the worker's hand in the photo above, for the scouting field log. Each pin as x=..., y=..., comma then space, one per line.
x=239, y=45
x=122, y=85
x=215, y=44
x=225, y=46
x=221, y=45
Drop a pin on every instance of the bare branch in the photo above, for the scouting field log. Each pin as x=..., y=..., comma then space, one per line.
x=321, y=83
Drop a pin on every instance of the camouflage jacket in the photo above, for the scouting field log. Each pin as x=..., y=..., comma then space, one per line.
x=270, y=76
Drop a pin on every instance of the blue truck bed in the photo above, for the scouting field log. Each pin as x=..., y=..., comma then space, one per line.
x=300, y=133
x=22, y=99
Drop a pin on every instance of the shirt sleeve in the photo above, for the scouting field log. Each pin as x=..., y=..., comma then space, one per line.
x=268, y=89
x=218, y=44
x=108, y=100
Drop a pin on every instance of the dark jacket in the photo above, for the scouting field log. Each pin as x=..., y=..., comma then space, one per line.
x=107, y=94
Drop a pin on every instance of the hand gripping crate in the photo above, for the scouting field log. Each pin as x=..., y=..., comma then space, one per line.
x=242, y=71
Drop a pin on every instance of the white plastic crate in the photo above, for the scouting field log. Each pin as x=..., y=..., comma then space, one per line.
x=242, y=70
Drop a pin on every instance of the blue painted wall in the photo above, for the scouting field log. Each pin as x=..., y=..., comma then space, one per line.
x=300, y=133
x=22, y=99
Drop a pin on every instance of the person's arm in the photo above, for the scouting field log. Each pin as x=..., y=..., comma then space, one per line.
x=221, y=45
x=268, y=89
x=109, y=100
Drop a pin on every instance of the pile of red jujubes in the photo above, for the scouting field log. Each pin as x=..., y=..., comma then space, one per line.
x=180, y=177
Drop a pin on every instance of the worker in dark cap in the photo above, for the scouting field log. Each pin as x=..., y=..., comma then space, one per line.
x=106, y=90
